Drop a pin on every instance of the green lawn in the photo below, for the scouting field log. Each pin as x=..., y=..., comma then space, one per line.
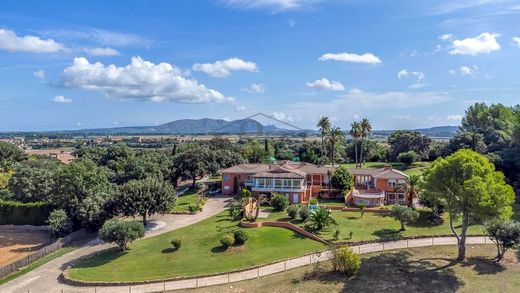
x=425, y=269
x=184, y=201
x=201, y=253
x=378, y=226
x=416, y=168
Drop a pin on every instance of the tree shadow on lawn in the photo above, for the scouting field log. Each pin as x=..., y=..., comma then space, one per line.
x=393, y=272
x=96, y=259
x=426, y=220
x=483, y=266
x=387, y=234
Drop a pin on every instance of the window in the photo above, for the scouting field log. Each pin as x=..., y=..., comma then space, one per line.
x=401, y=196
x=401, y=181
x=226, y=187
x=391, y=196
x=392, y=182
x=227, y=177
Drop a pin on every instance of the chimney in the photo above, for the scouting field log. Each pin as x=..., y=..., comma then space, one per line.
x=388, y=167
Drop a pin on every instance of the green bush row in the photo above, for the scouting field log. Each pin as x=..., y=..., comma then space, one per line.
x=19, y=213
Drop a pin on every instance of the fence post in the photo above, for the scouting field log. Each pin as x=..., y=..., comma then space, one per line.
x=383, y=246
x=130, y=289
x=432, y=241
x=407, y=246
x=228, y=277
x=485, y=239
x=164, y=287
x=196, y=282
x=359, y=249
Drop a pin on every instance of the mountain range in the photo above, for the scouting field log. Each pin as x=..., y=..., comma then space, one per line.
x=220, y=126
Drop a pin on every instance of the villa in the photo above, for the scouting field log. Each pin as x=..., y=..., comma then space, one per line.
x=299, y=181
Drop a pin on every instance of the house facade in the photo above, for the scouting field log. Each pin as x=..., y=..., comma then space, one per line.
x=376, y=187
x=298, y=181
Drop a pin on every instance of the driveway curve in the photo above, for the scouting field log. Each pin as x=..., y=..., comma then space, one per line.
x=46, y=278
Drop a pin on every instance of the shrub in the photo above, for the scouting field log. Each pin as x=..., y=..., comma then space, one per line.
x=59, y=223
x=321, y=218
x=304, y=212
x=404, y=215
x=313, y=201
x=121, y=232
x=176, y=244
x=240, y=237
x=407, y=158
x=292, y=211
x=236, y=210
x=245, y=193
x=279, y=202
x=226, y=241
x=336, y=234
x=505, y=235
x=18, y=213
x=194, y=208
x=344, y=260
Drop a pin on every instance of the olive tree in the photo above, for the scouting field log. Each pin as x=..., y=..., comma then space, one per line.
x=121, y=232
x=505, y=235
x=404, y=215
x=467, y=185
x=146, y=197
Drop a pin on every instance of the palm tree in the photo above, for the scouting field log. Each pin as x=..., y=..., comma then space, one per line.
x=324, y=126
x=355, y=130
x=321, y=218
x=411, y=188
x=335, y=136
x=366, y=128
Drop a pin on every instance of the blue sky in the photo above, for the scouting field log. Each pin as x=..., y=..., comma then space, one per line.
x=402, y=64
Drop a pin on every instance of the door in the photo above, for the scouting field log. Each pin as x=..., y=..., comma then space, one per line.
x=295, y=198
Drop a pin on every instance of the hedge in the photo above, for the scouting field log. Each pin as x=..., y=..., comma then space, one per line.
x=19, y=213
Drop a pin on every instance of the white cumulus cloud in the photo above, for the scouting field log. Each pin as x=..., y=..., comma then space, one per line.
x=368, y=58
x=483, y=43
x=39, y=74
x=256, y=88
x=516, y=41
x=402, y=73
x=9, y=41
x=326, y=84
x=61, y=99
x=140, y=80
x=455, y=117
x=446, y=37
x=224, y=68
x=101, y=51
x=282, y=116
x=467, y=70
x=240, y=109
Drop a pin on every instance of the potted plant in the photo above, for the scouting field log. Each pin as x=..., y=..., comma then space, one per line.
x=313, y=203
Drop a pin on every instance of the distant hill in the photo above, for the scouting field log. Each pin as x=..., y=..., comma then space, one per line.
x=437, y=131
x=190, y=126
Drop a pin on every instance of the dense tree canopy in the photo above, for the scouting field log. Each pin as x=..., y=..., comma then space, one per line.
x=402, y=141
x=342, y=179
x=11, y=153
x=83, y=190
x=467, y=185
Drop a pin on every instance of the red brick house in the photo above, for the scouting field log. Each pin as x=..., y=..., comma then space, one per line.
x=376, y=187
x=299, y=181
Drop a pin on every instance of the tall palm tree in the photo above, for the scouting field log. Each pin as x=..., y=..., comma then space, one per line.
x=355, y=131
x=335, y=136
x=324, y=126
x=411, y=188
x=366, y=128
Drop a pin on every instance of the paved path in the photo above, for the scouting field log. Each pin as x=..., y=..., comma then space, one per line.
x=45, y=278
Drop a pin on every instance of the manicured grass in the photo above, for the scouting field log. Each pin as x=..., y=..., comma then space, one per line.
x=427, y=269
x=38, y=263
x=379, y=226
x=184, y=201
x=201, y=253
x=332, y=202
x=416, y=168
